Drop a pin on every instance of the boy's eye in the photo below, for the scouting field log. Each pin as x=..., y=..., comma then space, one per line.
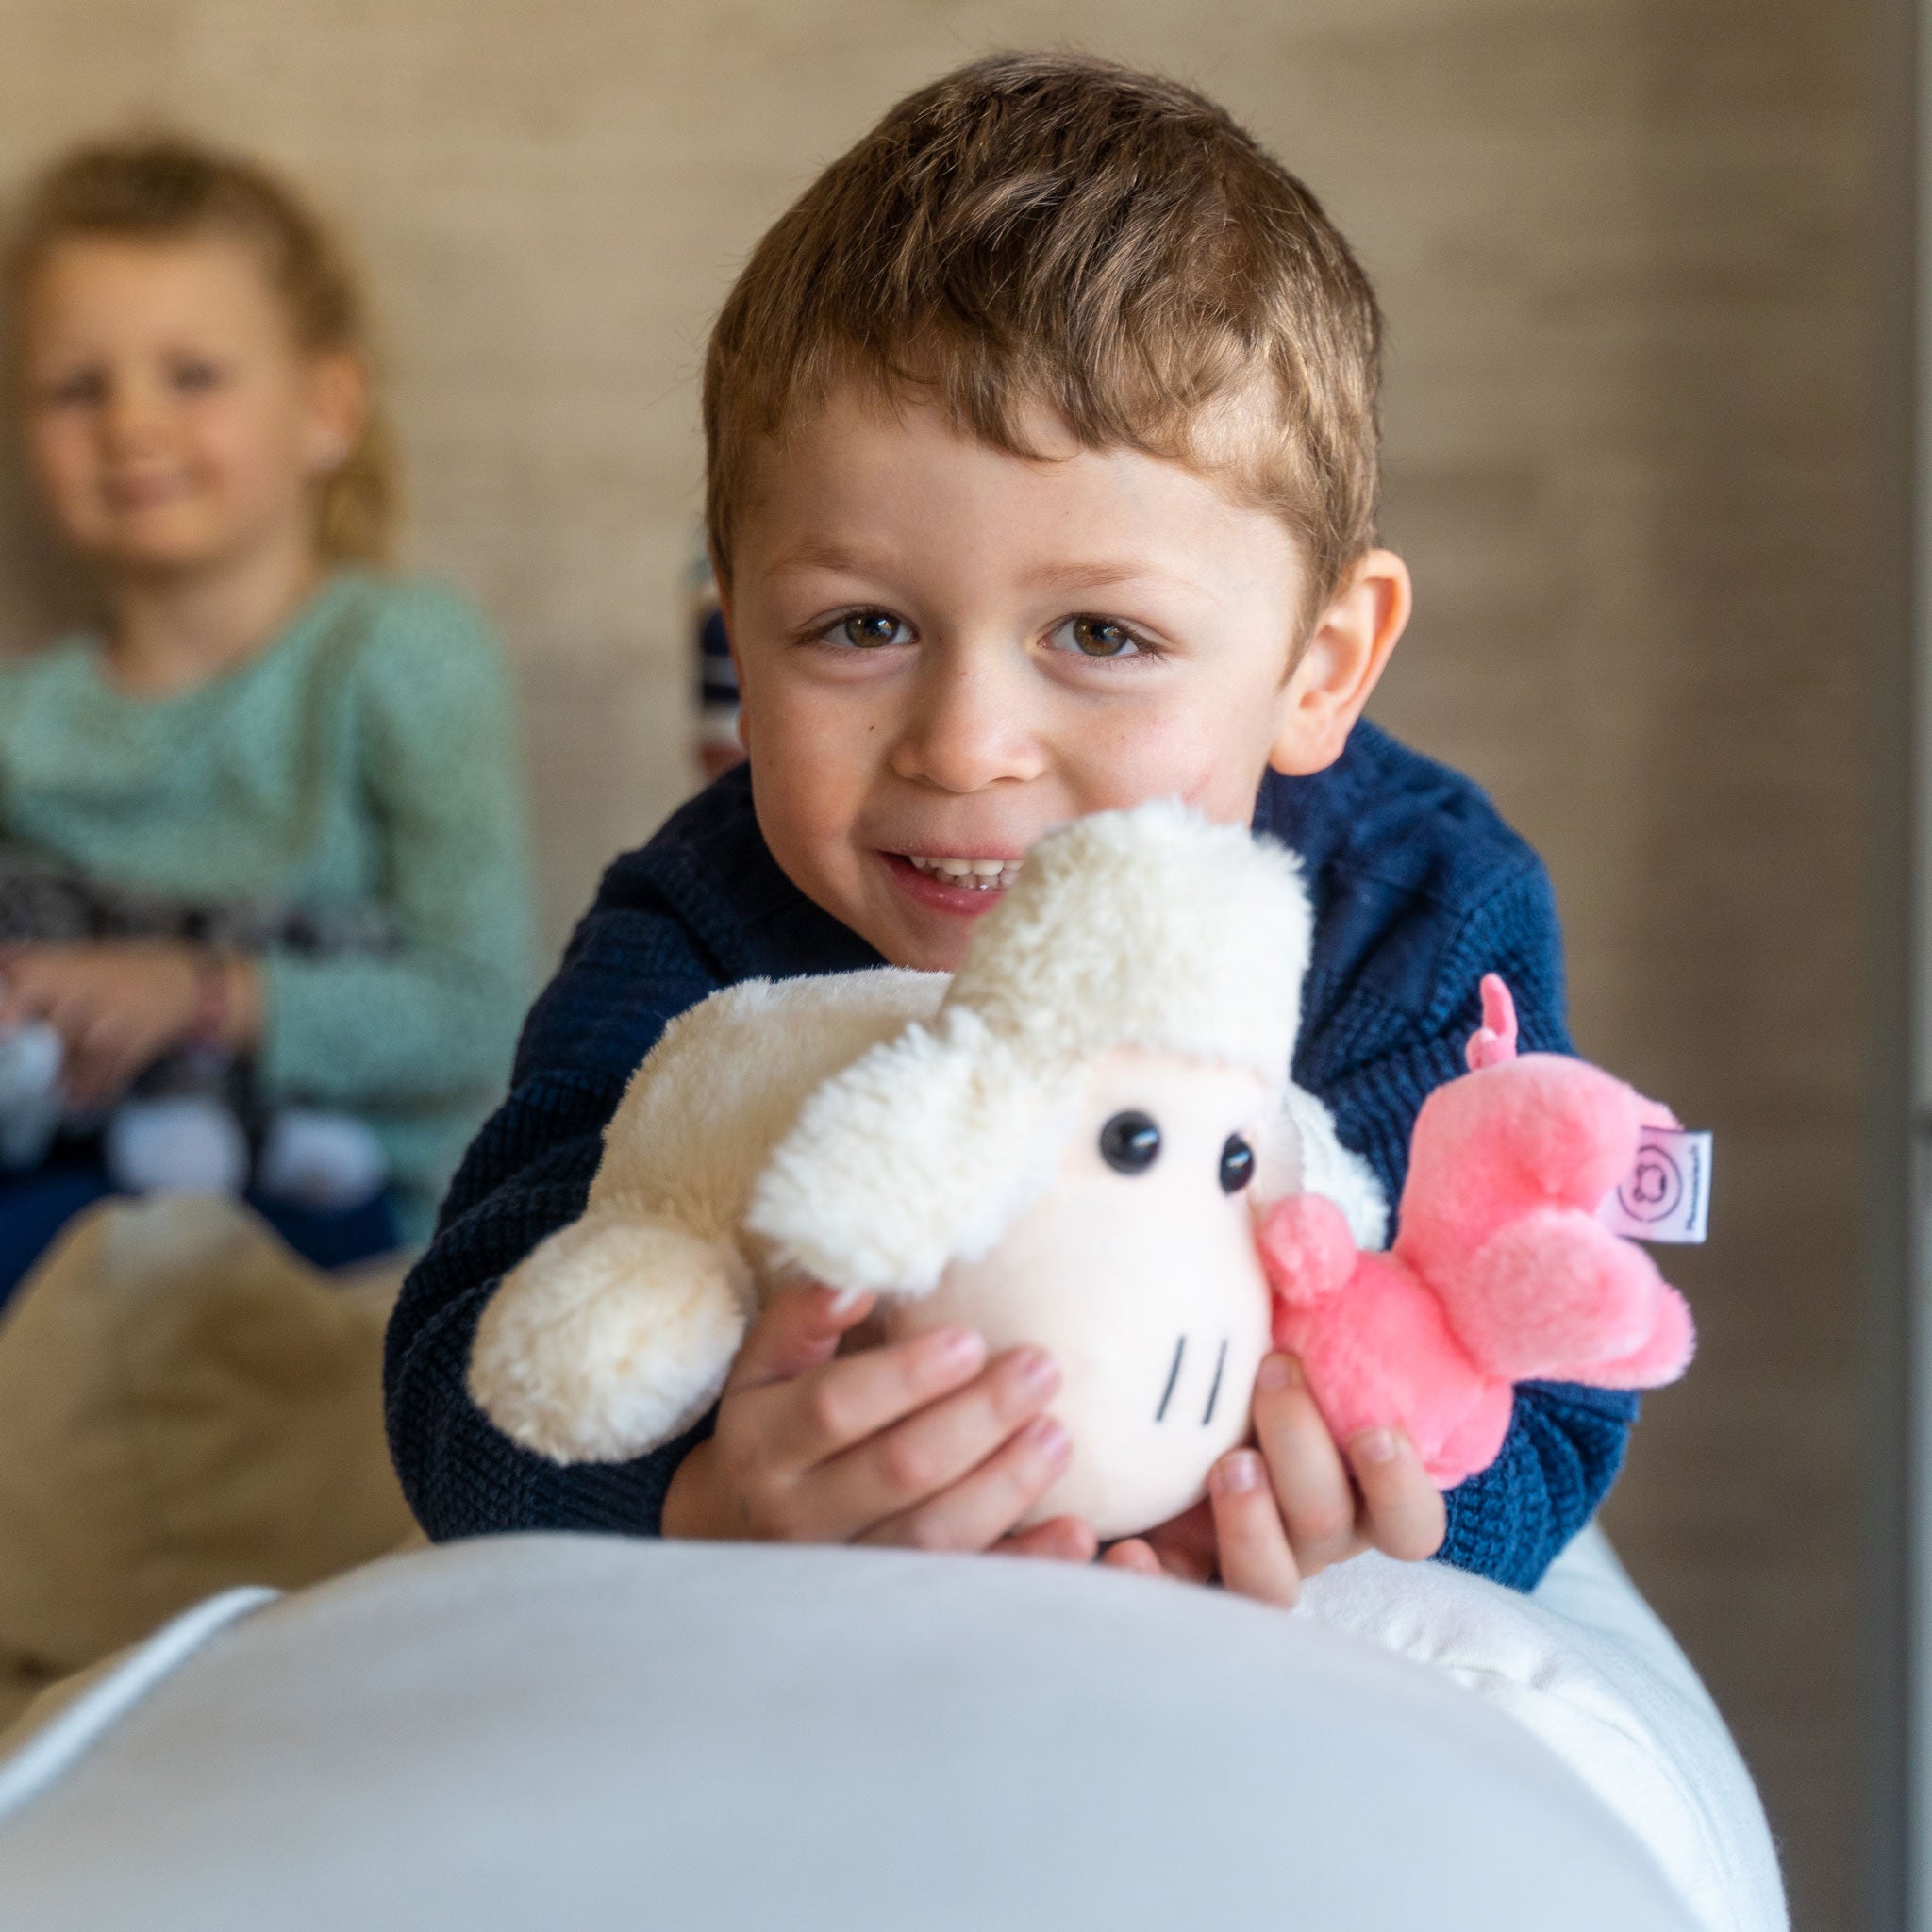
x=1098, y=637
x=870, y=630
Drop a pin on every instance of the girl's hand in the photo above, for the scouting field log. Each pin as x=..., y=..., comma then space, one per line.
x=920, y=1442
x=118, y=1006
x=1287, y=1508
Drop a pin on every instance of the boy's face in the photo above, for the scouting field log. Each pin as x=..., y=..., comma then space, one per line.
x=946, y=651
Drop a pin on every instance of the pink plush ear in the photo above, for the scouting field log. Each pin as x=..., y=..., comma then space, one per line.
x=1494, y=1042
x=1307, y=1250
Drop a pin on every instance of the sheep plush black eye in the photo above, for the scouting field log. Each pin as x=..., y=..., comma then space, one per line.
x=1237, y=1165
x=1128, y=1142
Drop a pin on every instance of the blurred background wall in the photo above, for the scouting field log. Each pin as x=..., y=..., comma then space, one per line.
x=1623, y=244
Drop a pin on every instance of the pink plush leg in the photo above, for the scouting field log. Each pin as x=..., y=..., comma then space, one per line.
x=1663, y=1356
x=1474, y=1443
x=1553, y=1289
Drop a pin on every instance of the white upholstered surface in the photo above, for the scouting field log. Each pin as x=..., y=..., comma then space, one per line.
x=587, y=1731
x=1586, y=1665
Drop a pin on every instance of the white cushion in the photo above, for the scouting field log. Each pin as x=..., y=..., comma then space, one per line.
x=1586, y=1665
x=592, y=1732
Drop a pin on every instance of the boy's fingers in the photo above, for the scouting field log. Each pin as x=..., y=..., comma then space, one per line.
x=1185, y=1547
x=1310, y=1478
x=1407, y=1517
x=831, y=1409
x=982, y=1507
x=800, y=1329
x=1255, y=1560
x=1134, y=1553
x=1059, y=1539
x=907, y=1460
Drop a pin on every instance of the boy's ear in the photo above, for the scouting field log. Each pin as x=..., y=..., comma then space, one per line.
x=1342, y=663
x=723, y=583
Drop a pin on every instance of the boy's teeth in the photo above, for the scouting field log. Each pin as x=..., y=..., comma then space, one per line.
x=977, y=874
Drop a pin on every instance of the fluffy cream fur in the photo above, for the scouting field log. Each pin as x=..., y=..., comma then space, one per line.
x=1318, y=1163
x=614, y=1334
x=867, y=1128
x=1146, y=929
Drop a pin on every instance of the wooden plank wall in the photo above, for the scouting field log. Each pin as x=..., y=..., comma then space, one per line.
x=1623, y=248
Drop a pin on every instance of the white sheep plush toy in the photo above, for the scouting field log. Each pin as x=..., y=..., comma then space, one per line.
x=1067, y=1143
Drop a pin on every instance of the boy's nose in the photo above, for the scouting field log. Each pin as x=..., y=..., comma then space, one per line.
x=969, y=727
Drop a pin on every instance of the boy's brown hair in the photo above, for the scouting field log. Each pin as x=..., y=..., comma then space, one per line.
x=168, y=188
x=1053, y=229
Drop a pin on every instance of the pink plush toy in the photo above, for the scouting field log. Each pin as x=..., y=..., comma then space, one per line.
x=1502, y=1271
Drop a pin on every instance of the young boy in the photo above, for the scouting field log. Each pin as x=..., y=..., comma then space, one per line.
x=1043, y=476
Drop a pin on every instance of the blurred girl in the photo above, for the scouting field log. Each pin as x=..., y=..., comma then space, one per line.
x=262, y=717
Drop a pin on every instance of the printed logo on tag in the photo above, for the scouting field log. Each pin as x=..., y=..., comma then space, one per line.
x=1666, y=1195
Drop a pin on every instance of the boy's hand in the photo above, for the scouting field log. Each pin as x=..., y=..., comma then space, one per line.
x=1288, y=1508
x=920, y=1442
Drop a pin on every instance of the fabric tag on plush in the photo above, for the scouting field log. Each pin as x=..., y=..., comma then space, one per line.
x=1666, y=1195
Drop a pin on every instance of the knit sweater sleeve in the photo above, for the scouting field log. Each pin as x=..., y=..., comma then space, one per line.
x=1565, y=1442
x=629, y=970
x=434, y=1021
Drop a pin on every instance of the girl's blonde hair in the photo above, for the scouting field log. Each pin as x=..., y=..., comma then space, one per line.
x=168, y=186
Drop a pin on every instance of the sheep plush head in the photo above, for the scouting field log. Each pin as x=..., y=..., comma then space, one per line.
x=1067, y=1144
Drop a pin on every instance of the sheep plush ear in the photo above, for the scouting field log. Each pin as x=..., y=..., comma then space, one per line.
x=610, y=1337
x=1301, y=1154
x=922, y=1152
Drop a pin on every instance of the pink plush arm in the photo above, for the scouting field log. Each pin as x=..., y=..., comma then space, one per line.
x=1306, y=1248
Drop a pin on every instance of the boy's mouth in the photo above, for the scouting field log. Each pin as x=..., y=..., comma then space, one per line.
x=970, y=874
x=961, y=886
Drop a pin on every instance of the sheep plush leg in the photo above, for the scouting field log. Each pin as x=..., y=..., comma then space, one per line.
x=612, y=1336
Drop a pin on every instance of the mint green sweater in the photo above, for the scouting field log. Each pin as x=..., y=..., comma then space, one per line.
x=369, y=754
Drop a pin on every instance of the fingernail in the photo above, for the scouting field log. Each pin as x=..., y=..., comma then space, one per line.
x=1236, y=1475
x=1373, y=1445
x=956, y=1346
x=1279, y=1371
x=1036, y=1370
x=1047, y=1436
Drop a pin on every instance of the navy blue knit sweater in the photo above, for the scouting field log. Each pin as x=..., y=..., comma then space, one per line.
x=1419, y=889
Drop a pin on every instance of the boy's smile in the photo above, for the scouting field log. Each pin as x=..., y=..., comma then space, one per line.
x=946, y=650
